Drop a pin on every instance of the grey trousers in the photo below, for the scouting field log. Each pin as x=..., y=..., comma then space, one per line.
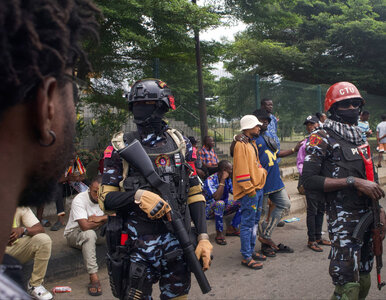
x=86, y=241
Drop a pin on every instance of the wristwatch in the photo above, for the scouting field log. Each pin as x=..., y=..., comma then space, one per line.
x=350, y=181
x=25, y=232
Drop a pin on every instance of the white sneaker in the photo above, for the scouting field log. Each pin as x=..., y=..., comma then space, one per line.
x=39, y=292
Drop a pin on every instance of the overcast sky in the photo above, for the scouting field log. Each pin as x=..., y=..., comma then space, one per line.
x=220, y=32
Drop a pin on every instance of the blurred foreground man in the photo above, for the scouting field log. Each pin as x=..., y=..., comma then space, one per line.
x=151, y=252
x=39, y=45
x=334, y=165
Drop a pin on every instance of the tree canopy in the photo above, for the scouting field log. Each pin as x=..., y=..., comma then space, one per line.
x=312, y=41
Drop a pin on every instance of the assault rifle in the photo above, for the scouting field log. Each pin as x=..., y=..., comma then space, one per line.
x=371, y=218
x=137, y=157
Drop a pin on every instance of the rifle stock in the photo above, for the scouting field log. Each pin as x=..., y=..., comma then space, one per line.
x=375, y=216
x=137, y=157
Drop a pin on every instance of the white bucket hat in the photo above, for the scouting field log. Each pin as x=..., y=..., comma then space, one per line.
x=248, y=122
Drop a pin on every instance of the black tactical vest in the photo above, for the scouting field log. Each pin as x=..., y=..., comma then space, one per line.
x=170, y=165
x=345, y=161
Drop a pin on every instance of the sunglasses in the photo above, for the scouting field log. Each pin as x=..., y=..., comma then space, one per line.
x=350, y=102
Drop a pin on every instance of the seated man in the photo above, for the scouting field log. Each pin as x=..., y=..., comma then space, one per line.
x=83, y=230
x=29, y=242
x=208, y=156
x=217, y=188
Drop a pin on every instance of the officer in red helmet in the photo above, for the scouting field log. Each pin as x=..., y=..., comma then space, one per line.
x=154, y=254
x=333, y=165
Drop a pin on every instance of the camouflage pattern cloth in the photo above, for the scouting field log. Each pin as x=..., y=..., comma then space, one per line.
x=152, y=250
x=331, y=156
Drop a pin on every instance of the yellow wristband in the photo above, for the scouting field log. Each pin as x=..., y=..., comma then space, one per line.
x=222, y=184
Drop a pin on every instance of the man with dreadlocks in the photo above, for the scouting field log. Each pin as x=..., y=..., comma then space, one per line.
x=151, y=247
x=39, y=46
x=334, y=165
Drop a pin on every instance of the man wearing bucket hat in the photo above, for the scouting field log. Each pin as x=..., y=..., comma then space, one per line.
x=248, y=181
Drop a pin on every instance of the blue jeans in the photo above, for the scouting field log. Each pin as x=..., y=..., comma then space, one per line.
x=282, y=202
x=250, y=215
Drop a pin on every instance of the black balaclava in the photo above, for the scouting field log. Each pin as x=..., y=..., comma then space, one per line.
x=149, y=117
x=349, y=116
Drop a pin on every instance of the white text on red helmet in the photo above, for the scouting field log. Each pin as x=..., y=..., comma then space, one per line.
x=347, y=90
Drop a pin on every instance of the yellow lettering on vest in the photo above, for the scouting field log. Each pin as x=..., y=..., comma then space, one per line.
x=271, y=157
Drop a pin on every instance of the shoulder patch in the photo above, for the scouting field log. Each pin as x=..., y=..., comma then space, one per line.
x=315, y=140
x=108, y=152
x=162, y=161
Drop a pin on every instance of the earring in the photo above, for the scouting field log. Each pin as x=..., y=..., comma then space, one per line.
x=52, y=142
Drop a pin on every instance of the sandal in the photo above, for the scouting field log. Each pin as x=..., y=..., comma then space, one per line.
x=268, y=242
x=94, y=288
x=56, y=226
x=267, y=251
x=324, y=242
x=314, y=246
x=258, y=256
x=234, y=233
x=284, y=249
x=250, y=263
x=45, y=223
x=220, y=240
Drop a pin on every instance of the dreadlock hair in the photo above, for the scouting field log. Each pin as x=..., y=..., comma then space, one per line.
x=40, y=38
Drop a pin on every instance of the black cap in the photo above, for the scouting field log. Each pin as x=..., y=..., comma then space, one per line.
x=192, y=139
x=311, y=119
x=262, y=114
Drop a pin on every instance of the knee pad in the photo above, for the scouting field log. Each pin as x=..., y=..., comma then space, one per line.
x=365, y=284
x=348, y=291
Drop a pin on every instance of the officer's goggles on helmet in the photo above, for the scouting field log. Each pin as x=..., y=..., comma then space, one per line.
x=350, y=102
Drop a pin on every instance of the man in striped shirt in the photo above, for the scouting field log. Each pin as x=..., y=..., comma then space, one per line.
x=207, y=155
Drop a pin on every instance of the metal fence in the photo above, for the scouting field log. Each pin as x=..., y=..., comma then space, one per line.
x=241, y=95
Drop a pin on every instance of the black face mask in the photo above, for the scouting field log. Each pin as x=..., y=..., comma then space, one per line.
x=349, y=116
x=143, y=112
x=148, y=118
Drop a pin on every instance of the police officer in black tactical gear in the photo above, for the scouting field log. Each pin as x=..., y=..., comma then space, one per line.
x=334, y=165
x=150, y=246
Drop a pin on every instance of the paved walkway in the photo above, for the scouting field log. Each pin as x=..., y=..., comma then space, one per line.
x=68, y=262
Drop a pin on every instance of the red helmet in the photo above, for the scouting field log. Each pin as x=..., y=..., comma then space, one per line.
x=341, y=91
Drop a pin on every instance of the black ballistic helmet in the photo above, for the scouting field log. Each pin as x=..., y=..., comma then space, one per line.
x=151, y=90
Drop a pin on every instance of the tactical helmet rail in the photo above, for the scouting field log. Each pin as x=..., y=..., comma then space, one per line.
x=151, y=90
x=341, y=91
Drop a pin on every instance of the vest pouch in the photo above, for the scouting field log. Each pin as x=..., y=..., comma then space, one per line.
x=115, y=269
x=352, y=153
x=113, y=233
x=133, y=183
